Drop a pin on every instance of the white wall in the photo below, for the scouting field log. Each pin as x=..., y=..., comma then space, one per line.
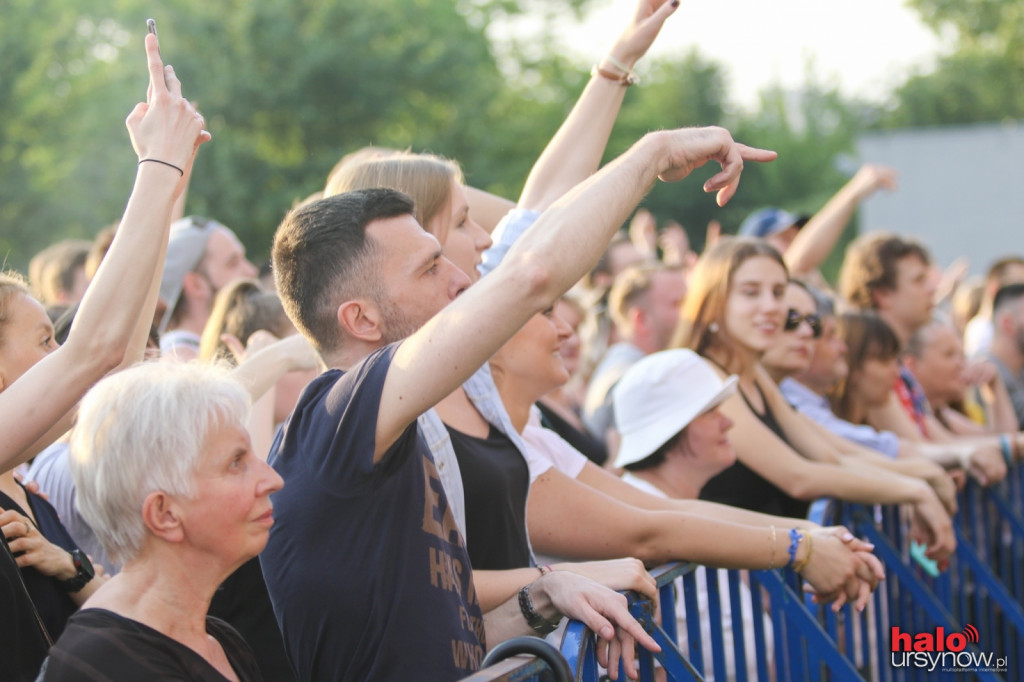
x=961, y=190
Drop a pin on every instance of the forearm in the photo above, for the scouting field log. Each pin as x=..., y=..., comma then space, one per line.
x=143, y=325
x=946, y=455
x=583, y=221
x=260, y=424
x=114, y=301
x=818, y=237
x=1003, y=416
x=858, y=481
x=583, y=524
x=738, y=515
x=505, y=621
x=575, y=151
x=615, y=487
x=261, y=370
x=494, y=588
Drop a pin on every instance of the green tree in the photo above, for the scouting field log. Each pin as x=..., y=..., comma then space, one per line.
x=981, y=80
x=287, y=86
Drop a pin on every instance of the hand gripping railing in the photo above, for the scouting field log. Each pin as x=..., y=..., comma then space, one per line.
x=971, y=597
x=803, y=649
x=982, y=588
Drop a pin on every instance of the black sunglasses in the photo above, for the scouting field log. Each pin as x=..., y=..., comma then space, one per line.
x=794, y=318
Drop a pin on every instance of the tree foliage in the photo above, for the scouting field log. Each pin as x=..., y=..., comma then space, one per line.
x=981, y=79
x=289, y=86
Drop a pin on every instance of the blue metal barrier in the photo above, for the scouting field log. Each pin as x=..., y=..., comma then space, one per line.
x=974, y=609
x=977, y=598
x=803, y=649
x=507, y=663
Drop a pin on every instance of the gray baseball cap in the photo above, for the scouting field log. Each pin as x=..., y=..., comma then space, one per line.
x=185, y=250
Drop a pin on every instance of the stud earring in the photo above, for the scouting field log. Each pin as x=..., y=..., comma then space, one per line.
x=713, y=327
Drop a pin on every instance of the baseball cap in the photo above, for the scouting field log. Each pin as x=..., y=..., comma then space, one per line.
x=768, y=221
x=659, y=396
x=185, y=250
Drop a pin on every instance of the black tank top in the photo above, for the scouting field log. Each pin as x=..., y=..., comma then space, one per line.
x=495, y=479
x=740, y=486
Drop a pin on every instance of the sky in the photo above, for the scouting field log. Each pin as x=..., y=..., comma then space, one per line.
x=867, y=47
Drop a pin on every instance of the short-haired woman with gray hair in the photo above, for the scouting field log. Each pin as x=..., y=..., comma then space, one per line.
x=167, y=478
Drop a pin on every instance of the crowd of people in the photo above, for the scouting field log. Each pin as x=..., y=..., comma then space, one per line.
x=442, y=418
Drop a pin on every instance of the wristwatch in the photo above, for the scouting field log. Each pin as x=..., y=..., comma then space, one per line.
x=539, y=623
x=84, y=572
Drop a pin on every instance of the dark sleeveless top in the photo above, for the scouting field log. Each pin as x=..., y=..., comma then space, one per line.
x=592, y=447
x=495, y=479
x=740, y=486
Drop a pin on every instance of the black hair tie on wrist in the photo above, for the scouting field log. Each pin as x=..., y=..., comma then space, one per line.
x=164, y=163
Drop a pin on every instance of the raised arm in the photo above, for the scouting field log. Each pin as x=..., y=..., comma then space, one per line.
x=553, y=255
x=818, y=237
x=167, y=129
x=575, y=151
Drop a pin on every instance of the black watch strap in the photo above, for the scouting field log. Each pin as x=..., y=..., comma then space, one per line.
x=84, y=572
x=540, y=625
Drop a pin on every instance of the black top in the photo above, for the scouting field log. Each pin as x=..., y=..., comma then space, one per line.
x=22, y=642
x=366, y=568
x=102, y=646
x=592, y=447
x=740, y=486
x=48, y=594
x=242, y=602
x=495, y=480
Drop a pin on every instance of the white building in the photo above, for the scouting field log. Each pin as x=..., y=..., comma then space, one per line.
x=961, y=189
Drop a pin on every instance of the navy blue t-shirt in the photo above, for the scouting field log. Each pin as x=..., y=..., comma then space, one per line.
x=366, y=568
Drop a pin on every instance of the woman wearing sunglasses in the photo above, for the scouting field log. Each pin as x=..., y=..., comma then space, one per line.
x=808, y=361
x=734, y=313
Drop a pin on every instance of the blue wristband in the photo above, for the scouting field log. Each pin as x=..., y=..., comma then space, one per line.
x=1004, y=445
x=794, y=542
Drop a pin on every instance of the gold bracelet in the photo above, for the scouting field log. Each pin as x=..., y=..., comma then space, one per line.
x=771, y=562
x=807, y=559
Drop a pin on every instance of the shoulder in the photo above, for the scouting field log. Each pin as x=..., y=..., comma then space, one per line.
x=235, y=648
x=97, y=640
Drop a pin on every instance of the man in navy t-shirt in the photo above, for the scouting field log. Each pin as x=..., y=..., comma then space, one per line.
x=365, y=566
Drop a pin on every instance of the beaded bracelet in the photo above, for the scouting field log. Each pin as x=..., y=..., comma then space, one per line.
x=1004, y=445
x=794, y=542
x=807, y=559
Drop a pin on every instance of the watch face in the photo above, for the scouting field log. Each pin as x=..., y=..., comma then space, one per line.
x=84, y=566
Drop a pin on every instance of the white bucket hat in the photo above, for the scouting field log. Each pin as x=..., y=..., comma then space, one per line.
x=659, y=396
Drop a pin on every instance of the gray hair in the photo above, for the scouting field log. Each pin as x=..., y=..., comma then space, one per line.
x=144, y=430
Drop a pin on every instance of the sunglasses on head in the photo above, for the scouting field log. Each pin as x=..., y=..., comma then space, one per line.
x=794, y=318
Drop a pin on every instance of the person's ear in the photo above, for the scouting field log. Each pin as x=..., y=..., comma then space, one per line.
x=361, y=319
x=881, y=298
x=161, y=517
x=910, y=362
x=637, y=319
x=194, y=286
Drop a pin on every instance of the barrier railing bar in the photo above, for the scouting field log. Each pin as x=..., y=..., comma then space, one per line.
x=785, y=601
x=991, y=583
